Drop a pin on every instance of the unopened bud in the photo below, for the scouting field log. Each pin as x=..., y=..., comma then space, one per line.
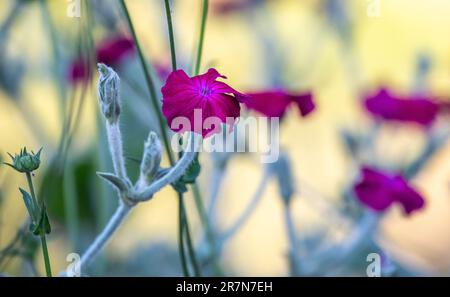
x=108, y=92
x=151, y=158
x=25, y=162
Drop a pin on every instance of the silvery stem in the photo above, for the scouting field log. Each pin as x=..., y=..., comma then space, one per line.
x=293, y=240
x=254, y=202
x=176, y=171
x=116, y=149
x=216, y=181
x=101, y=240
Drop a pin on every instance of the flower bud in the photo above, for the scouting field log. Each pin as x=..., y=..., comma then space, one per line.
x=283, y=173
x=151, y=158
x=108, y=92
x=25, y=162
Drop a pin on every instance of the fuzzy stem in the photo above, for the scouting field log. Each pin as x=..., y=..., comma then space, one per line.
x=176, y=171
x=101, y=240
x=216, y=180
x=254, y=202
x=116, y=149
x=201, y=38
x=293, y=240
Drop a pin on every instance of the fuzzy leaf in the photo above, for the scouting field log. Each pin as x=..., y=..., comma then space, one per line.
x=113, y=179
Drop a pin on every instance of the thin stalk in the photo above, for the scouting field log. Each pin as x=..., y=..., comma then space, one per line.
x=150, y=83
x=254, y=202
x=171, y=37
x=70, y=204
x=201, y=38
x=181, y=251
x=210, y=236
x=9, y=20
x=184, y=223
x=48, y=268
x=100, y=241
x=188, y=238
x=293, y=240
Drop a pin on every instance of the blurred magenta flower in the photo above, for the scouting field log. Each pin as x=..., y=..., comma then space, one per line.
x=184, y=95
x=112, y=51
x=228, y=7
x=162, y=70
x=413, y=109
x=274, y=103
x=379, y=190
x=78, y=71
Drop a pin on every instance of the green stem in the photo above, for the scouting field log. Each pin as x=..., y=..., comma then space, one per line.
x=71, y=205
x=197, y=195
x=201, y=38
x=207, y=228
x=180, y=236
x=189, y=239
x=182, y=209
x=150, y=83
x=48, y=268
x=171, y=37
x=30, y=185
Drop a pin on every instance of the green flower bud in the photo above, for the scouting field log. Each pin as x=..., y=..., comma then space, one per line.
x=151, y=158
x=25, y=162
x=108, y=92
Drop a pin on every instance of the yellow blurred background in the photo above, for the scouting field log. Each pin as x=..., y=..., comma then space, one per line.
x=384, y=51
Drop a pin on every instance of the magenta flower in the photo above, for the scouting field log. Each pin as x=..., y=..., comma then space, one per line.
x=162, y=70
x=110, y=52
x=78, y=71
x=414, y=109
x=274, y=103
x=113, y=51
x=201, y=100
x=379, y=190
x=228, y=7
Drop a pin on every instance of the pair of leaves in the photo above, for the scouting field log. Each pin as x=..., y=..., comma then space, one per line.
x=189, y=177
x=180, y=185
x=39, y=218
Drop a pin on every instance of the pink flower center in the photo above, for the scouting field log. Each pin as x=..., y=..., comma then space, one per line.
x=205, y=91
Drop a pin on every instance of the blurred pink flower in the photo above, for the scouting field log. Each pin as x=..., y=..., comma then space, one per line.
x=274, y=103
x=183, y=95
x=413, y=109
x=162, y=70
x=112, y=51
x=109, y=52
x=78, y=71
x=228, y=7
x=379, y=190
